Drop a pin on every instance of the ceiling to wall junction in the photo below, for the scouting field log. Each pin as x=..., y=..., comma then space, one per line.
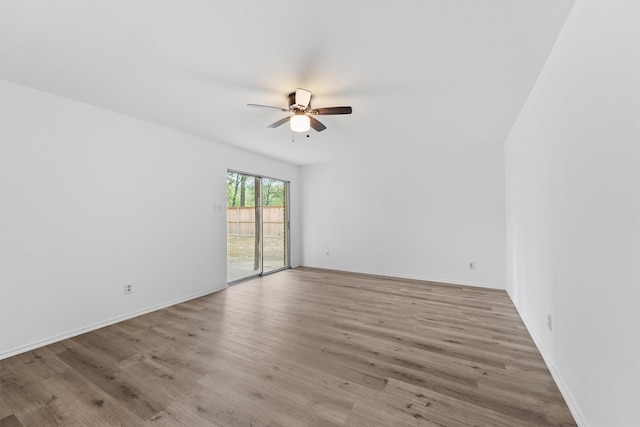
x=415, y=72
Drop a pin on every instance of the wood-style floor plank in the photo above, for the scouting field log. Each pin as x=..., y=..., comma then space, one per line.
x=303, y=347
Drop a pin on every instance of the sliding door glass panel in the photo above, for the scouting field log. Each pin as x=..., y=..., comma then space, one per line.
x=257, y=226
x=274, y=221
x=243, y=227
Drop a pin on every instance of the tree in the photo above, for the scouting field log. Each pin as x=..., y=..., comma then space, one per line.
x=243, y=189
x=233, y=181
x=240, y=190
x=272, y=192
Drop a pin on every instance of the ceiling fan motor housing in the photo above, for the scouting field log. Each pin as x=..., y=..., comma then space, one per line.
x=292, y=100
x=292, y=103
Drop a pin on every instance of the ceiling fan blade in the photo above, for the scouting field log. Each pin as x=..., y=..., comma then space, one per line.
x=316, y=125
x=331, y=110
x=267, y=106
x=303, y=97
x=279, y=122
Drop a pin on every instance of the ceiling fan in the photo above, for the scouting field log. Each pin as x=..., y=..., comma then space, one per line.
x=302, y=119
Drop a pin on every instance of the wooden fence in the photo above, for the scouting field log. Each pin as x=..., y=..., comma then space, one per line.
x=241, y=221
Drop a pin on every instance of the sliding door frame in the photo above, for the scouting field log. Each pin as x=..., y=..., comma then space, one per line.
x=260, y=226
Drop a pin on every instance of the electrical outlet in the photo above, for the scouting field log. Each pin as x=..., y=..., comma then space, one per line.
x=472, y=265
x=128, y=288
x=549, y=322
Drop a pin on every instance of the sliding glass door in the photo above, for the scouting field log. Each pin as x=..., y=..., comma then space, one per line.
x=257, y=226
x=274, y=225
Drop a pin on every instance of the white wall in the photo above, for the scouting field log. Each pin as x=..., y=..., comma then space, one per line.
x=91, y=199
x=424, y=212
x=573, y=195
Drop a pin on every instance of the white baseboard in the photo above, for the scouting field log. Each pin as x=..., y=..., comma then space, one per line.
x=410, y=277
x=447, y=281
x=98, y=325
x=555, y=373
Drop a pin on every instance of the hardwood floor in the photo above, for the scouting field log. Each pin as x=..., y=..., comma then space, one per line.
x=303, y=347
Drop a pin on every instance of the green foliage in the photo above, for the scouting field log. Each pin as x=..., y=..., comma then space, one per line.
x=241, y=191
x=272, y=192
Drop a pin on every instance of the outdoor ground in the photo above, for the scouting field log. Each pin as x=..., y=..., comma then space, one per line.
x=240, y=255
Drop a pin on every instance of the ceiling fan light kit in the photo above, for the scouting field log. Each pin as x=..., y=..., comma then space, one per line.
x=300, y=106
x=300, y=123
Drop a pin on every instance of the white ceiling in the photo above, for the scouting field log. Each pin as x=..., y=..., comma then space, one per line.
x=415, y=71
